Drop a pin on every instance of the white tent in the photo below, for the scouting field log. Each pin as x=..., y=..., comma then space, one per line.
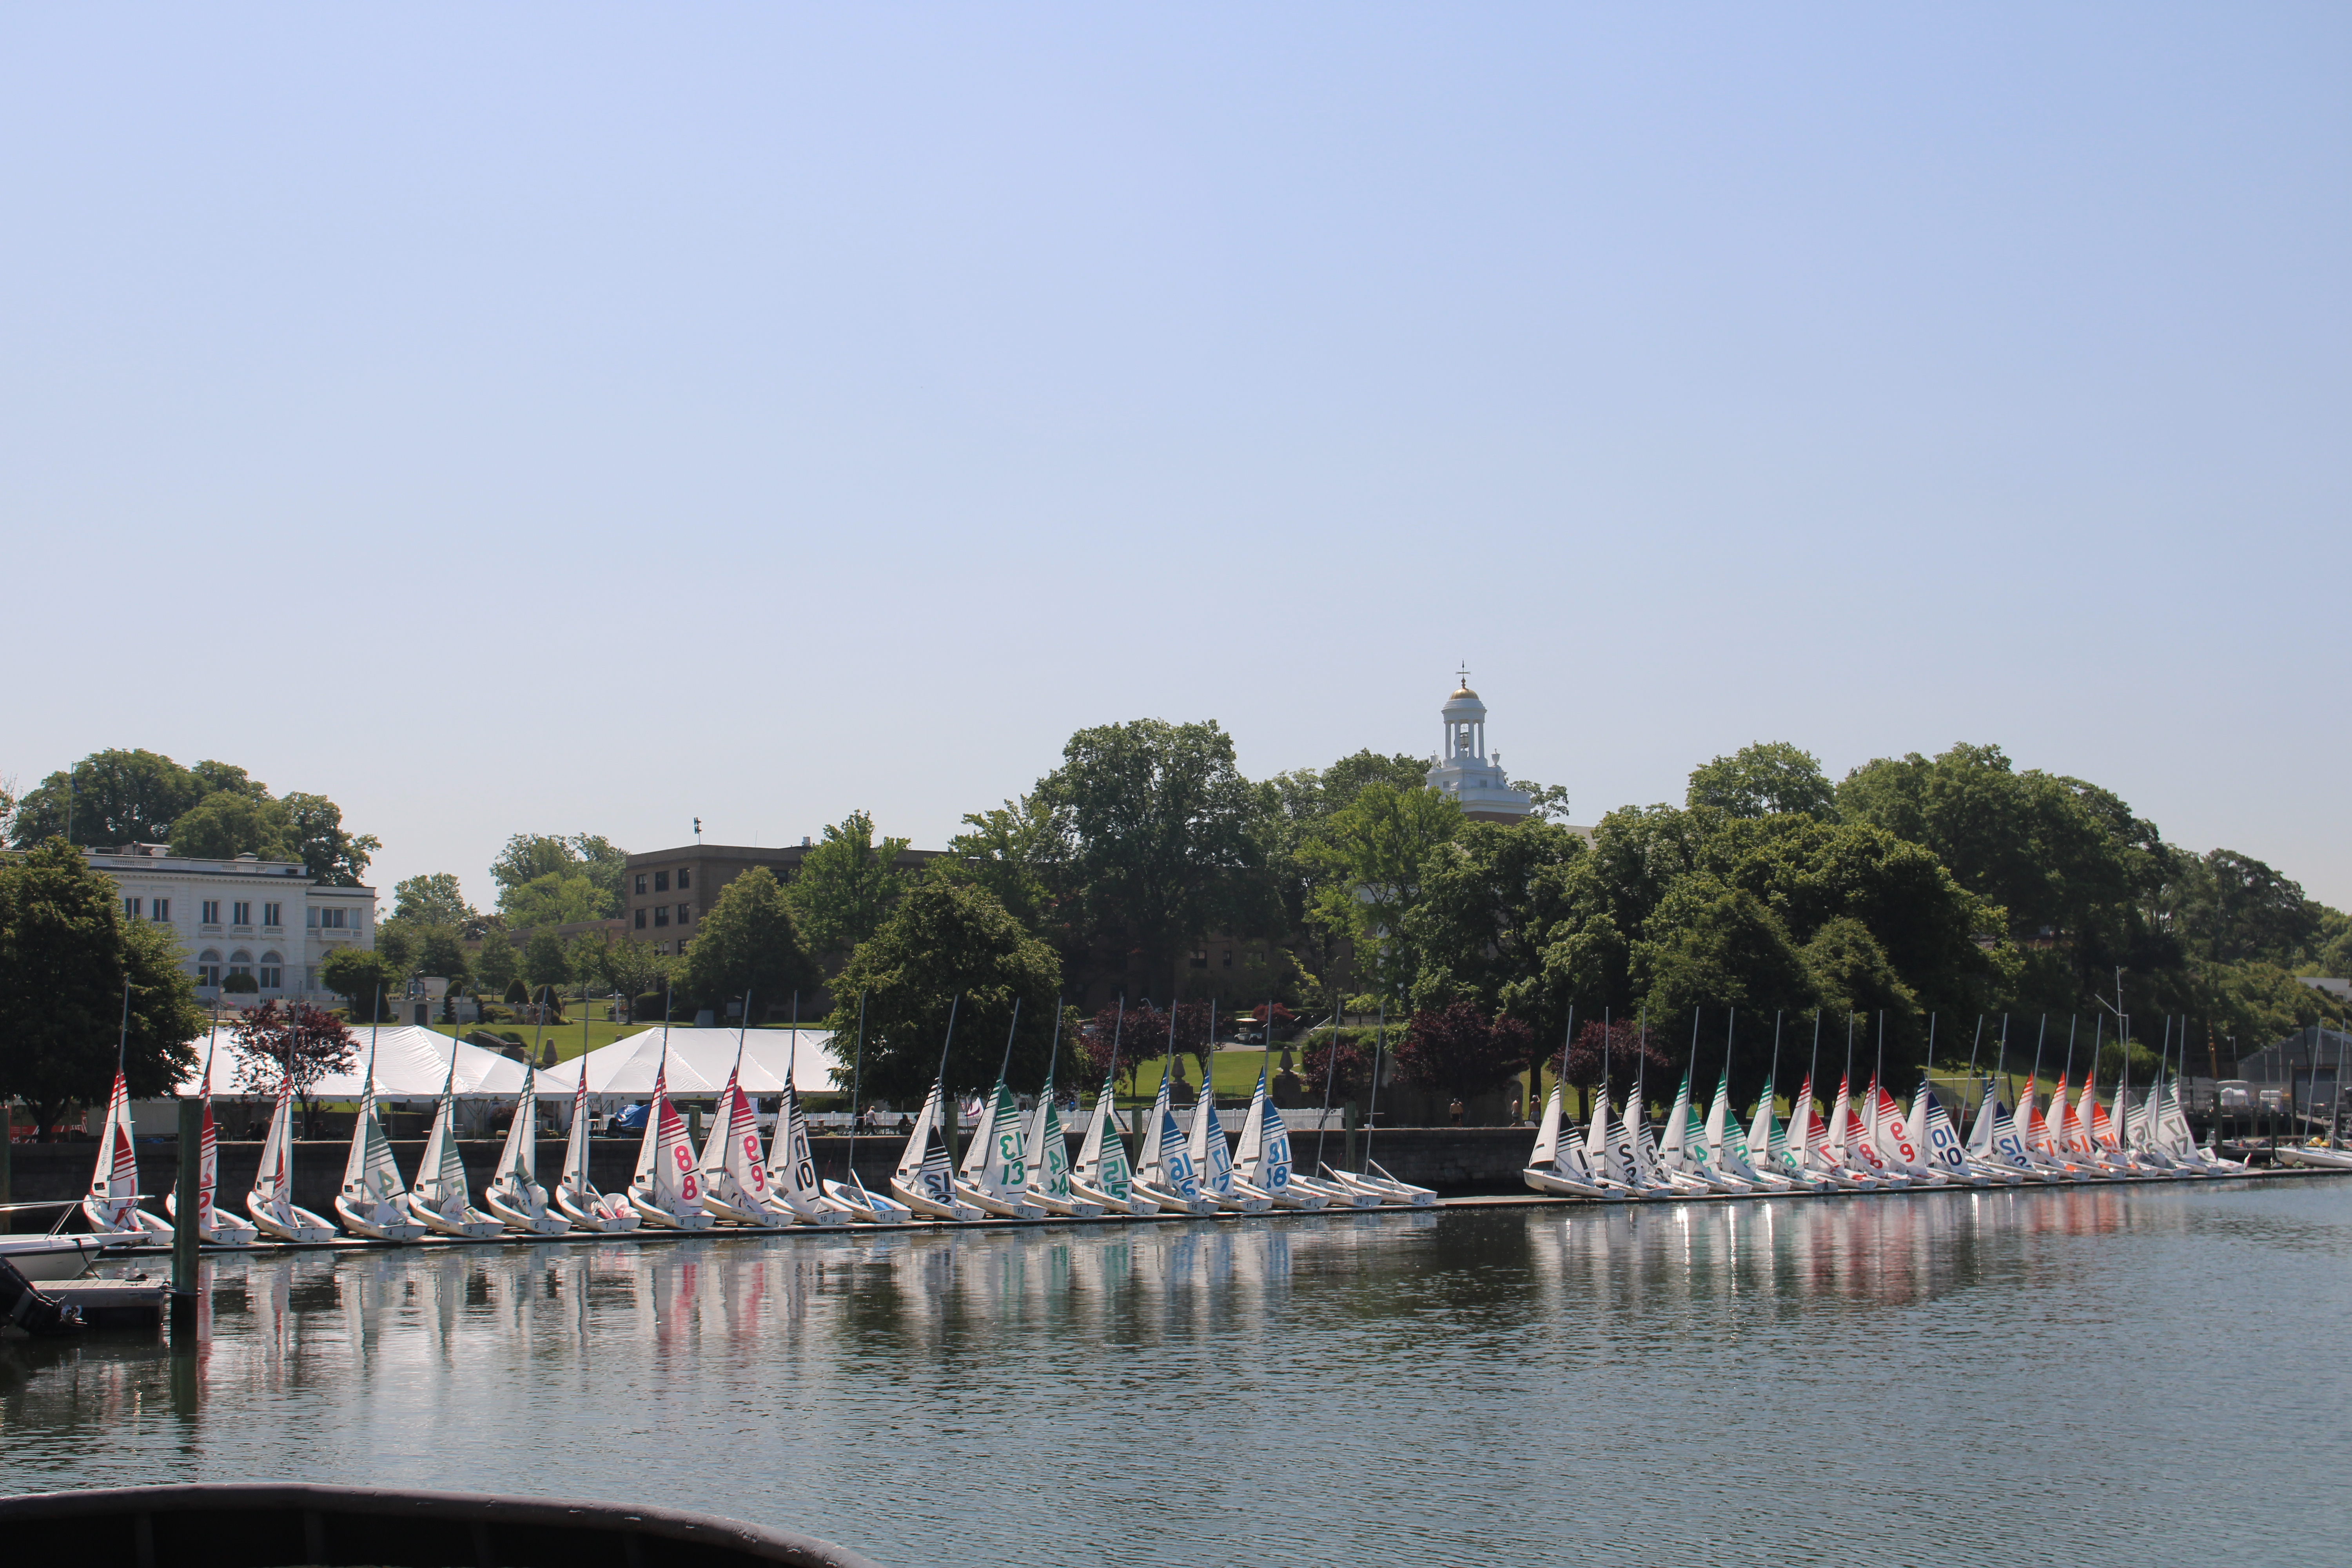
x=699, y=1062
x=410, y=1064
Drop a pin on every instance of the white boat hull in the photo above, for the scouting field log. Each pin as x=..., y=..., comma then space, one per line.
x=524, y=1220
x=865, y=1205
x=662, y=1218
x=378, y=1222
x=596, y=1211
x=295, y=1224
x=1136, y=1205
x=469, y=1224
x=1003, y=1208
x=226, y=1229
x=47, y=1259
x=924, y=1204
x=1203, y=1205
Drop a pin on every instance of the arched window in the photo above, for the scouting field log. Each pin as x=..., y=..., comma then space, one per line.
x=208, y=967
x=273, y=971
x=240, y=963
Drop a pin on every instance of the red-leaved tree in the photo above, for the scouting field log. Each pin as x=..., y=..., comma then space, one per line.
x=1353, y=1070
x=1614, y=1055
x=1458, y=1051
x=275, y=1040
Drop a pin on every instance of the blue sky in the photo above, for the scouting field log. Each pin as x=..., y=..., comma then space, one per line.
x=517, y=418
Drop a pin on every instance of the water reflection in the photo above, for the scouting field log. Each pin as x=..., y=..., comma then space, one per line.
x=1432, y=1387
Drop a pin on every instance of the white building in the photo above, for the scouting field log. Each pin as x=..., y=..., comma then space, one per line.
x=1464, y=769
x=267, y=919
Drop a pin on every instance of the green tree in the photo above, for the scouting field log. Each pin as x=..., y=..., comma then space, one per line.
x=529, y=858
x=631, y=967
x=748, y=941
x=364, y=979
x=2236, y=909
x=497, y=962
x=556, y=898
x=336, y=858
x=945, y=943
x=112, y=798
x=1374, y=855
x=544, y=961
x=440, y=952
x=65, y=954
x=846, y=885
x=1159, y=843
x=1768, y=778
x=1012, y=851
x=223, y=826
x=1493, y=900
x=435, y=899
x=398, y=941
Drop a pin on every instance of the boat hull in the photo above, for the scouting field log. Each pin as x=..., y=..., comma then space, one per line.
x=47, y=1259
x=295, y=1224
x=596, y=1211
x=378, y=1222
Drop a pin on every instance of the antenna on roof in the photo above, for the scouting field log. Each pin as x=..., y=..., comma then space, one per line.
x=698, y=830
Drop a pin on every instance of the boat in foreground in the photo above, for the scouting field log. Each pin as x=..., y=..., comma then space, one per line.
x=247, y=1524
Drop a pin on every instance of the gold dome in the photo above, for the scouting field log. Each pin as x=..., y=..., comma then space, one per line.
x=1462, y=691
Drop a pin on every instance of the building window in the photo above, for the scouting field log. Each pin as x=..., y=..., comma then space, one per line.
x=163, y=909
x=211, y=908
x=270, y=914
x=641, y=881
x=273, y=972
x=131, y=908
x=661, y=881
x=243, y=911
x=685, y=914
x=333, y=920
x=661, y=914
x=208, y=967
x=1200, y=959
x=1229, y=958
x=240, y=963
x=685, y=878
x=641, y=919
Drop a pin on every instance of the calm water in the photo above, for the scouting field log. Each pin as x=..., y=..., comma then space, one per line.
x=2083, y=1377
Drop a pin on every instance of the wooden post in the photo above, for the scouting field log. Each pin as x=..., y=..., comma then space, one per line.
x=187, y=1208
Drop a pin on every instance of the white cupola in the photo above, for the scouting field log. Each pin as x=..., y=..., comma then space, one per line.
x=1463, y=767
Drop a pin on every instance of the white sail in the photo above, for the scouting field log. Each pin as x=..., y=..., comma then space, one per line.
x=1801, y=1126
x=1638, y=1152
x=1939, y=1141
x=518, y=1169
x=1728, y=1145
x=1600, y=1156
x=926, y=1175
x=667, y=1188
x=113, y=1203
x=977, y=1150
x=374, y=1200
x=440, y=1196
x=734, y=1172
x=1004, y=1165
x=212, y=1223
x=271, y=1200
x=1213, y=1157
x=1166, y=1164
x=792, y=1163
x=1048, y=1147
x=1547, y=1149
x=1672, y=1151
x=1150, y=1166
x=1764, y=1140
x=1979, y=1144
x=1102, y=1158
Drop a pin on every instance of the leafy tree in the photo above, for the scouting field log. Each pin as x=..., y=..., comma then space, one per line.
x=2236, y=909
x=223, y=826
x=1614, y=1053
x=1157, y=838
x=1852, y=974
x=1709, y=943
x=397, y=942
x=1491, y=899
x=1374, y=855
x=440, y=952
x=1011, y=851
x=544, y=961
x=748, y=942
x=631, y=967
x=275, y=1041
x=499, y=963
x=431, y=900
x=1294, y=810
x=1457, y=1050
x=556, y=898
x=113, y=797
x=65, y=953
x=1768, y=778
x=945, y=943
x=364, y=979
x=1344, y=1080
x=528, y=861
x=846, y=885
x=338, y=858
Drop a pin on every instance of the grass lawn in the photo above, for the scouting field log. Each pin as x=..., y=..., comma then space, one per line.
x=569, y=1039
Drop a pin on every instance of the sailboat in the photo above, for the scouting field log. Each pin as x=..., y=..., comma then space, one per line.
x=666, y=1190
x=271, y=1200
x=1891, y=1137
x=1770, y=1143
x=925, y=1181
x=1213, y=1158
x=514, y=1194
x=1262, y=1160
x=1049, y=1167
x=1728, y=1144
x=1939, y=1141
x=793, y=1183
x=1166, y=1176
x=113, y=1203
x=734, y=1177
x=440, y=1198
x=1545, y=1170
x=212, y=1225
x=576, y=1197
x=995, y=1174
x=373, y=1201
x=1102, y=1174
x=1682, y=1148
